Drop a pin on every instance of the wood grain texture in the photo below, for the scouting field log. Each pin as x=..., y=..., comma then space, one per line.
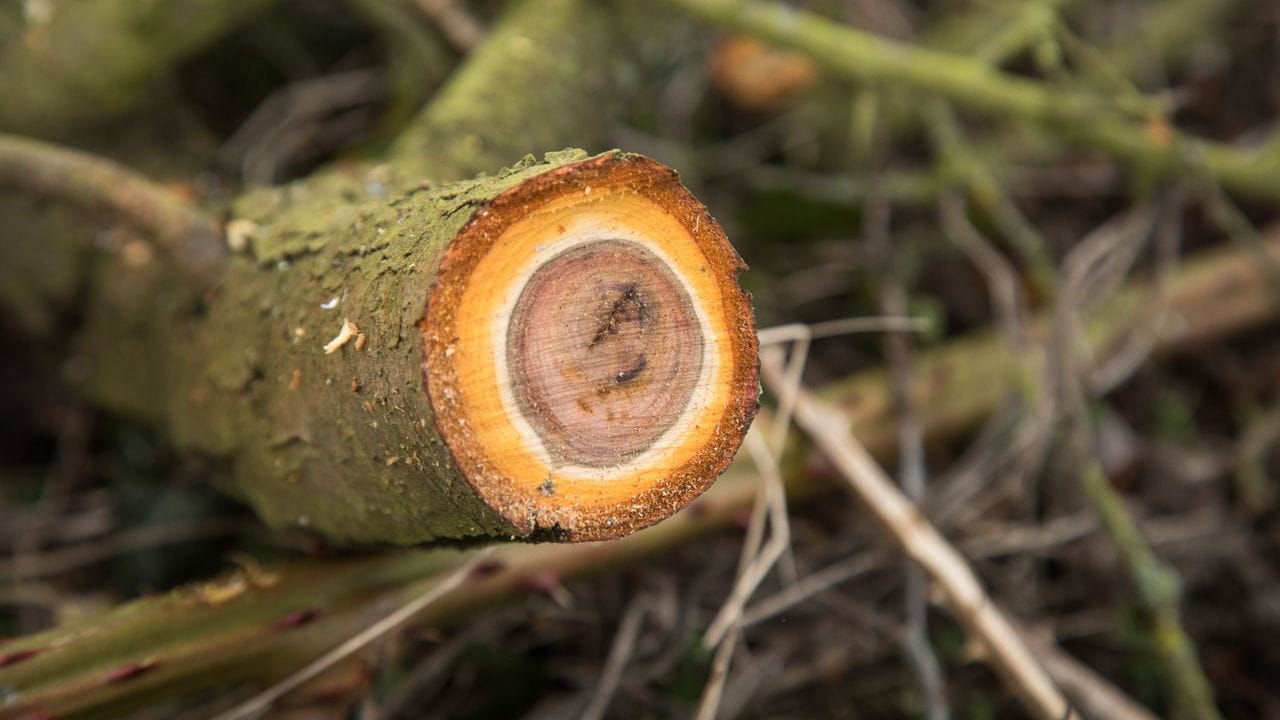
x=590, y=356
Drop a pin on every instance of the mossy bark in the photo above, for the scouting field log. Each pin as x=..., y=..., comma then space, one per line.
x=549, y=76
x=306, y=369
x=340, y=442
x=344, y=442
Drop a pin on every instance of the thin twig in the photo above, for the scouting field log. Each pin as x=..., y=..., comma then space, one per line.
x=709, y=704
x=190, y=241
x=980, y=181
x=1106, y=254
x=55, y=496
x=304, y=121
x=911, y=464
x=61, y=560
x=427, y=675
x=1135, y=347
x=1007, y=299
x=809, y=586
x=794, y=374
x=774, y=497
x=921, y=542
x=620, y=652
x=793, y=332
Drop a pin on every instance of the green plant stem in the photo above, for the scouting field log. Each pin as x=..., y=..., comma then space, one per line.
x=1159, y=591
x=985, y=188
x=1082, y=118
x=191, y=241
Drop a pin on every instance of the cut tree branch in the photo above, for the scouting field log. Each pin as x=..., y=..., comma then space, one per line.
x=560, y=351
x=630, y=375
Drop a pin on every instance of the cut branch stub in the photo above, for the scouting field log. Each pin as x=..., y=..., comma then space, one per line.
x=589, y=356
x=557, y=351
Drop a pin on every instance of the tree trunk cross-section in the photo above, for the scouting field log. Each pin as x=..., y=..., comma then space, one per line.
x=588, y=351
x=557, y=352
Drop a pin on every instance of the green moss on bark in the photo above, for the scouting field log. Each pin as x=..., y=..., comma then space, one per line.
x=549, y=76
x=344, y=443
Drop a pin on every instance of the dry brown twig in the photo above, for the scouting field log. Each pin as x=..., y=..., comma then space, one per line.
x=809, y=586
x=773, y=498
x=962, y=591
x=725, y=629
x=61, y=560
x=432, y=672
x=709, y=703
x=911, y=463
x=1136, y=346
x=620, y=652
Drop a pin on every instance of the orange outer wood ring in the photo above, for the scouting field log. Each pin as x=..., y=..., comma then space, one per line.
x=533, y=477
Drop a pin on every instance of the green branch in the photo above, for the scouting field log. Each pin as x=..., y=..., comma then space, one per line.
x=1086, y=119
x=1159, y=590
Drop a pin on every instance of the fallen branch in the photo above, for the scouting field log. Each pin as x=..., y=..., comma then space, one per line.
x=544, y=78
x=188, y=239
x=411, y=426
x=557, y=352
